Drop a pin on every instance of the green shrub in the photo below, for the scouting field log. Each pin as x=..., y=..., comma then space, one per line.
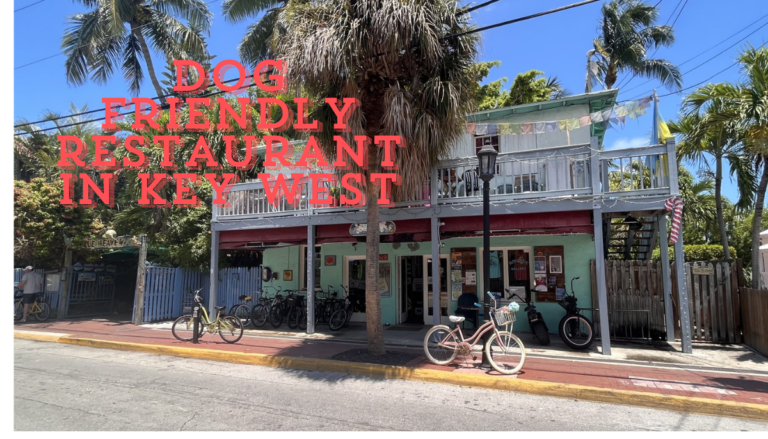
x=705, y=252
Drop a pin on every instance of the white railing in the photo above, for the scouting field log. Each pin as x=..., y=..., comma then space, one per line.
x=543, y=173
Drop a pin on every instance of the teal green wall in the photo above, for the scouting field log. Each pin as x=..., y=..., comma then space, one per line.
x=579, y=250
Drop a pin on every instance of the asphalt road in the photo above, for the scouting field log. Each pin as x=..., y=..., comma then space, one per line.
x=59, y=387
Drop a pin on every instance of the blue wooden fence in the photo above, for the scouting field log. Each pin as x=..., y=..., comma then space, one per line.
x=167, y=293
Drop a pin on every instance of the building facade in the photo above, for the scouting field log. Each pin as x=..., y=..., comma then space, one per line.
x=558, y=202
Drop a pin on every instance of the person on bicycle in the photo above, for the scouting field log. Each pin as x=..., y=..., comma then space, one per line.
x=32, y=283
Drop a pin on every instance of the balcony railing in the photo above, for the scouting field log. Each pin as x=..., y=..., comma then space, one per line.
x=551, y=173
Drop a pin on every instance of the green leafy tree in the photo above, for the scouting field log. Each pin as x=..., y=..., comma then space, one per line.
x=745, y=104
x=411, y=81
x=41, y=223
x=259, y=39
x=721, y=141
x=627, y=33
x=114, y=35
x=527, y=88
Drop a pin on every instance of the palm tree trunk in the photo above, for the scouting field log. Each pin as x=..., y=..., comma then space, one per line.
x=148, y=60
x=757, y=222
x=719, y=207
x=372, y=296
x=610, y=77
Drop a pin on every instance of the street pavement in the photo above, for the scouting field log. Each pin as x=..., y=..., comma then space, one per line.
x=59, y=387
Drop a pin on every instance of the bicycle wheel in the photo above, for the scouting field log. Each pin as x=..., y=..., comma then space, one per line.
x=275, y=316
x=44, y=312
x=505, y=352
x=292, y=313
x=18, y=311
x=230, y=329
x=259, y=315
x=337, y=319
x=301, y=318
x=183, y=327
x=440, y=345
x=244, y=314
x=576, y=331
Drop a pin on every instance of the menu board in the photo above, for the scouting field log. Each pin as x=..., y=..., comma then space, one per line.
x=549, y=273
x=463, y=271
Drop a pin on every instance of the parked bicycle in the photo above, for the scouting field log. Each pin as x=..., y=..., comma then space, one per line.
x=279, y=309
x=40, y=309
x=260, y=311
x=242, y=310
x=229, y=327
x=505, y=352
x=576, y=330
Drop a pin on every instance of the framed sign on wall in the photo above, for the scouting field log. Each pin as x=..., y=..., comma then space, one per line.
x=549, y=271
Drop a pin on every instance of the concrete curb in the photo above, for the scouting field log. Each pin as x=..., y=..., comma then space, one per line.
x=573, y=391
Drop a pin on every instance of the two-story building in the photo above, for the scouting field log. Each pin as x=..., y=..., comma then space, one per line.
x=554, y=199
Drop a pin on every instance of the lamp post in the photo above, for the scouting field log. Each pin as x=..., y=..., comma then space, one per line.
x=487, y=169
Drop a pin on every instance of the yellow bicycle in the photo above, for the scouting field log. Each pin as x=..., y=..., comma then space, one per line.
x=229, y=327
x=38, y=308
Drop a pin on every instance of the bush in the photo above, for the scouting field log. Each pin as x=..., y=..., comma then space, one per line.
x=705, y=252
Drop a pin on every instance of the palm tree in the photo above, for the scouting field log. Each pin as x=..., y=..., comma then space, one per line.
x=98, y=41
x=627, y=34
x=746, y=105
x=721, y=141
x=258, y=41
x=412, y=80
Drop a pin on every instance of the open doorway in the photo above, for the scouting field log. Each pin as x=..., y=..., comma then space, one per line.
x=411, y=289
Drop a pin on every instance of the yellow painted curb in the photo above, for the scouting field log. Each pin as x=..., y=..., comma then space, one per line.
x=573, y=391
x=38, y=336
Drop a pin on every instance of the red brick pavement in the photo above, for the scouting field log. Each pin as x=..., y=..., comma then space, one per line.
x=667, y=381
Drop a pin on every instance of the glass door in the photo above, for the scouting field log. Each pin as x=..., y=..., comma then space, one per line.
x=444, y=297
x=354, y=281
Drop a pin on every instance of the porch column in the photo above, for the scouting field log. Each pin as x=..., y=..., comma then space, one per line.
x=666, y=279
x=310, y=279
x=436, y=313
x=602, y=290
x=682, y=288
x=213, y=292
x=141, y=276
x=597, y=220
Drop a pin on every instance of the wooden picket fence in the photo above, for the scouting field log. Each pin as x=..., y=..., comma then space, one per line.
x=754, y=314
x=635, y=299
x=713, y=301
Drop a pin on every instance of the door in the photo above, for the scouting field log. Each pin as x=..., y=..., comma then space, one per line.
x=411, y=290
x=444, y=297
x=403, y=277
x=354, y=282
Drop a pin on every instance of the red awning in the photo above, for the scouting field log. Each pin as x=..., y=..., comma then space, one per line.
x=556, y=222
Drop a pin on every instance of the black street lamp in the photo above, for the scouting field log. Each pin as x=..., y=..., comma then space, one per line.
x=487, y=169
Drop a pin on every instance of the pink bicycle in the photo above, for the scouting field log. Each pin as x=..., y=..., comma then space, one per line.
x=505, y=351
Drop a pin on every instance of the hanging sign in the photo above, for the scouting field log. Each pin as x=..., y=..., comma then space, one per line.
x=113, y=243
x=361, y=229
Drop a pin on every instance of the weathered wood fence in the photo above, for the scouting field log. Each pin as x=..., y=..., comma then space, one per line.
x=713, y=301
x=754, y=314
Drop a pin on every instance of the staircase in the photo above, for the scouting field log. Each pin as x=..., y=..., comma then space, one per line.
x=624, y=243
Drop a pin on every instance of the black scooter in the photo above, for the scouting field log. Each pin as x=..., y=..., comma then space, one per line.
x=535, y=320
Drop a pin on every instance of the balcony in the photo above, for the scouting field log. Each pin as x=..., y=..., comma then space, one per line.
x=638, y=175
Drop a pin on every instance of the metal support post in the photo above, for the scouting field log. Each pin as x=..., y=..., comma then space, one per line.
x=195, y=321
x=666, y=278
x=436, y=287
x=141, y=276
x=486, y=264
x=682, y=296
x=310, y=279
x=214, y=273
x=597, y=220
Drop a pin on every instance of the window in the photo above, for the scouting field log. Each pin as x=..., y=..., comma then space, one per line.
x=443, y=285
x=318, y=262
x=481, y=141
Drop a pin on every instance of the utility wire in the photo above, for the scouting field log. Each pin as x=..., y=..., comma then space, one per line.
x=28, y=6
x=481, y=5
x=551, y=11
x=79, y=47
x=712, y=58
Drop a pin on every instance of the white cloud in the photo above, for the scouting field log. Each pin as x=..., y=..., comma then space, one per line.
x=625, y=142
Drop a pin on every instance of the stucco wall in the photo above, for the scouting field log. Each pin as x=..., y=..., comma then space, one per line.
x=579, y=250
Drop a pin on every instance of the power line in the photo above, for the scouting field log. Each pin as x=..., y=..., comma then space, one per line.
x=79, y=47
x=679, y=13
x=28, y=6
x=516, y=20
x=718, y=54
x=481, y=5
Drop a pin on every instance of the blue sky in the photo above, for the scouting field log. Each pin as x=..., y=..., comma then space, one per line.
x=556, y=44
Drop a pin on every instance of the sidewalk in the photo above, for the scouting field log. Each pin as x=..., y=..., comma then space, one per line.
x=742, y=388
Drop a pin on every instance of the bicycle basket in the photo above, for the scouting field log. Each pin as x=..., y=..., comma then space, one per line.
x=504, y=317
x=292, y=301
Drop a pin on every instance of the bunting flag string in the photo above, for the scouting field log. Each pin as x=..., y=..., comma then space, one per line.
x=676, y=204
x=610, y=117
